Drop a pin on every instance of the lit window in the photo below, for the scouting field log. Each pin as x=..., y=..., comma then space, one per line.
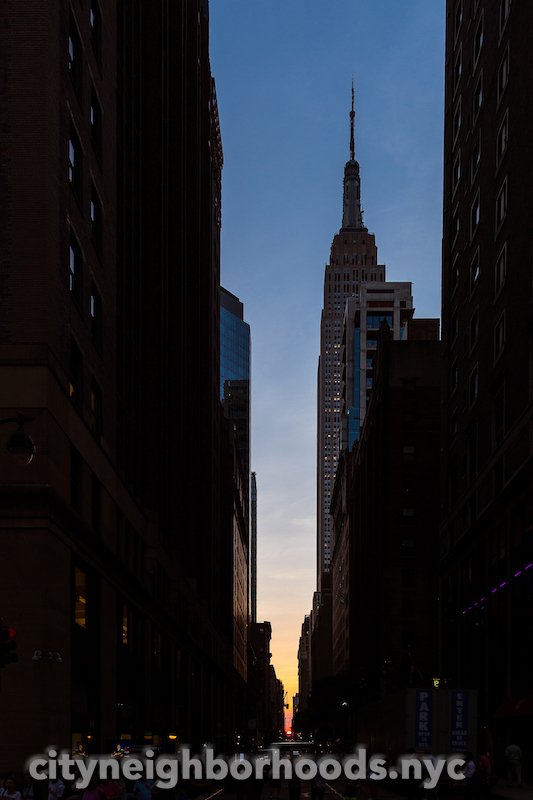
x=502, y=139
x=75, y=278
x=95, y=21
x=500, y=270
x=501, y=205
x=80, y=598
x=74, y=163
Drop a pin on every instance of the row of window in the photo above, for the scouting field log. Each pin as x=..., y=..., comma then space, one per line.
x=503, y=14
x=76, y=290
x=475, y=214
x=502, y=140
x=502, y=81
x=76, y=389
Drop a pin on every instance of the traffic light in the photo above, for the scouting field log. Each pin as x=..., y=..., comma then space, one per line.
x=8, y=646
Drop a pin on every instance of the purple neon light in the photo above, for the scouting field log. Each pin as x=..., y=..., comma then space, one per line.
x=497, y=588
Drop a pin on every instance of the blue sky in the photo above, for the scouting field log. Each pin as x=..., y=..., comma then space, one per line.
x=283, y=70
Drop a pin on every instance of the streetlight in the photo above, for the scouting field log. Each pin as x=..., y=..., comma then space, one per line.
x=20, y=444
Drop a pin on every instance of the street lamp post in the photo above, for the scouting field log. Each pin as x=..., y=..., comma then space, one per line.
x=20, y=444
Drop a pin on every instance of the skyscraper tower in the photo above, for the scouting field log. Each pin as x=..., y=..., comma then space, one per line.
x=353, y=261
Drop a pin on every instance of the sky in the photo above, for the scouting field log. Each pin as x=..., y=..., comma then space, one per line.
x=283, y=70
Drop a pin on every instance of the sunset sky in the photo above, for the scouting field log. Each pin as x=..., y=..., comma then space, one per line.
x=283, y=70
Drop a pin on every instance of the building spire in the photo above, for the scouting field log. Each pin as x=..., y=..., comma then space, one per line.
x=352, y=216
x=352, y=125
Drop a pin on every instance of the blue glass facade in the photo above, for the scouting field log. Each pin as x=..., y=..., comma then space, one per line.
x=234, y=348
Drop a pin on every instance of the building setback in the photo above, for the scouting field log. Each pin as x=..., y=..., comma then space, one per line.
x=487, y=313
x=109, y=331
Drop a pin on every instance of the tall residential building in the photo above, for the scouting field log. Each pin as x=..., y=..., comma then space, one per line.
x=253, y=549
x=487, y=313
x=109, y=330
x=235, y=397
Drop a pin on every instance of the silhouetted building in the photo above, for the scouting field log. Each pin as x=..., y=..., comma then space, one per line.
x=487, y=494
x=109, y=329
x=385, y=511
x=253, y=548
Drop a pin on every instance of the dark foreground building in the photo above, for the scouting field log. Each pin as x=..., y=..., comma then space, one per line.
x=385, y=512
x=112, y=540
x=487, y=515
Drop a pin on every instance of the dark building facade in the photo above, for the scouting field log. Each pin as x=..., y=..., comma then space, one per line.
x=487, y=314
x=109, y=339
x=385, y=511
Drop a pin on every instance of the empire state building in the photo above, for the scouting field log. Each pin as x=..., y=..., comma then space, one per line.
x=353, y=264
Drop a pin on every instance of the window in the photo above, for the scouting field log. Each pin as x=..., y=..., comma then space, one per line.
x=455, y=226
x=474, y=328
x=458, y=18
x=478, y=95
x=505, y=7
x=80, y=598
x=454, y=327
x=458, y=68
x=75, y=266
x=95, y=119
x=476, y=156
x=478, y=41
x=501, y=205
x=500, y=270
x=126, y=626
x=456, y=172
x=473, y=385
x=474, y=271
x=75, y=163
x=502, y=139
x=474, y=216
x=76, y=479
x=95, y=213
x=74, y=57
x=95, y=310
x=455, y=274
x=499, y=337
x=503, y=74
x=76, y=374
x=457, y=120
x=96, y=409
x=95, y=22
x=454, y=382
x=96, y=504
